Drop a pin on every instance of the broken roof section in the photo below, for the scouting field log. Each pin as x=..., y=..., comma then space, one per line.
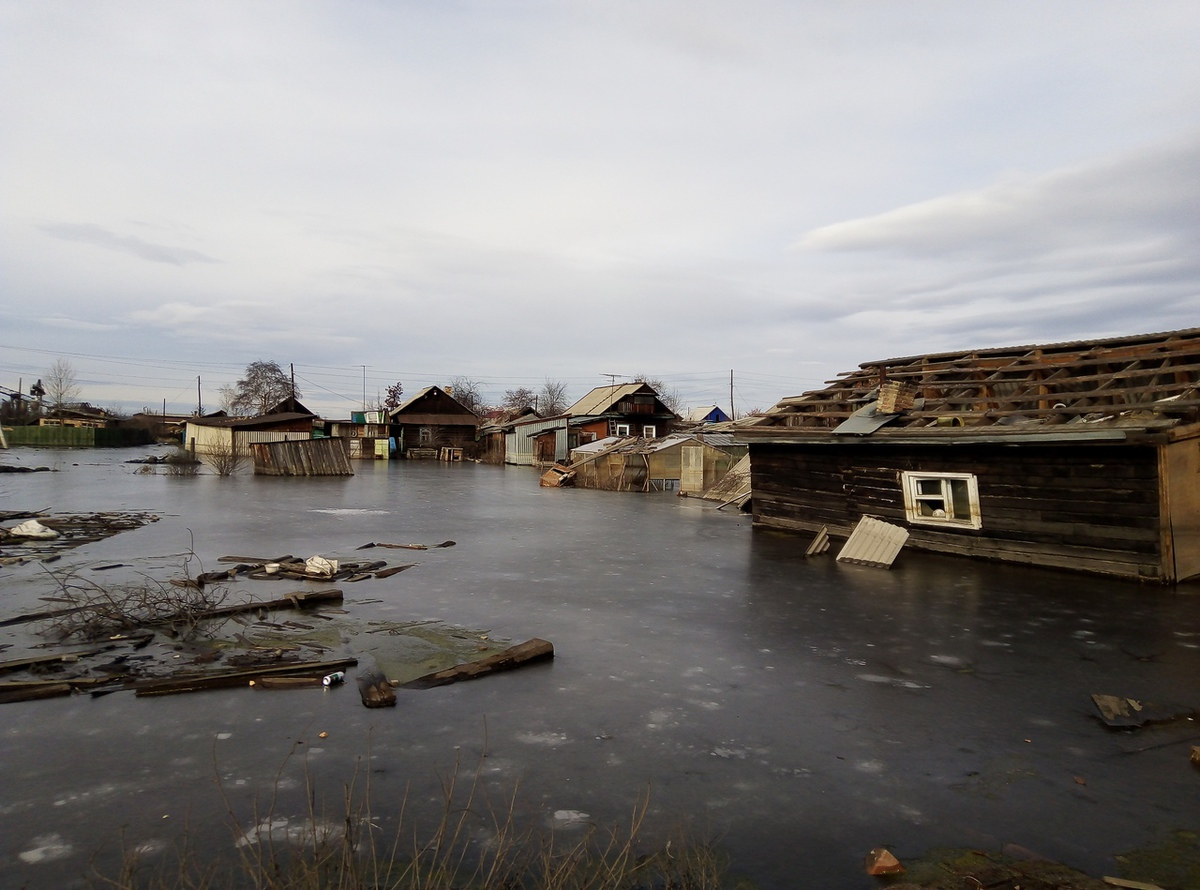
x=1144, y=383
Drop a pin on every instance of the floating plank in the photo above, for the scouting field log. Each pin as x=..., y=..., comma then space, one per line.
x=16, y=692
x=515, y=656
x=199, y=682
x=394, y=570
x=820, y=543
x=288, y=683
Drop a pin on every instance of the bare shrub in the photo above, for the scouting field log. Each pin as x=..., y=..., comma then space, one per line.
x=181, y=462
x=94, y=611
x=224, y=460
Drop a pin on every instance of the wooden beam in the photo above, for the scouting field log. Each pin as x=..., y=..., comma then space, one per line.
x=515, y=656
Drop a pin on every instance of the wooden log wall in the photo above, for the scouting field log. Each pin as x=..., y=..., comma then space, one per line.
x=1090, y=508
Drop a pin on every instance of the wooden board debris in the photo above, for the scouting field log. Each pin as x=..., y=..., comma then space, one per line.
x=199, y=682
x=1130, y=713
x=515, y=656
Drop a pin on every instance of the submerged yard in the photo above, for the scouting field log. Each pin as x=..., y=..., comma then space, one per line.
x=798, y=713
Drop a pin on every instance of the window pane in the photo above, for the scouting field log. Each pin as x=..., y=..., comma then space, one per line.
x=929, y=486
x=960, y=498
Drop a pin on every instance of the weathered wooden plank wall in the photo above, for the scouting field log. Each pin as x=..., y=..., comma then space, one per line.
x=1094, y=508
x=311, y=457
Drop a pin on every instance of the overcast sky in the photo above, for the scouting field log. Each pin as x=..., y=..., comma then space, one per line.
x=516, y=191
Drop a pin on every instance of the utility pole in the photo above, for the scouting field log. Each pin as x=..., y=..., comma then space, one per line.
x=364, y=367
x=293, y=370
x=199, y=400
x=732, y=415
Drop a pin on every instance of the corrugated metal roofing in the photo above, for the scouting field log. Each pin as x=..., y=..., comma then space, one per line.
x=602, y=398
x=873, y=543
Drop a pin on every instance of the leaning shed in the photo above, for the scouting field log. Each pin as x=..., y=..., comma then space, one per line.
x=1080, y=455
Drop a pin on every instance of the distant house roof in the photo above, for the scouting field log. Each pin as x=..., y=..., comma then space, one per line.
x=262, y=421
x=432, y=400
x=1098, y=389
x=709, y=413
x=605, y=400
x=290, y=405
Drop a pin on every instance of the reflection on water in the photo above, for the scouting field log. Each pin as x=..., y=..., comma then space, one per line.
x=802, y=710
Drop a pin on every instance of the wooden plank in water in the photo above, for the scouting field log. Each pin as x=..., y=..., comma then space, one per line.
x=199, y=682
x=515, y=656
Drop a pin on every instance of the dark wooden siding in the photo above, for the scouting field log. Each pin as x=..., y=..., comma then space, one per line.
x=1094, y=508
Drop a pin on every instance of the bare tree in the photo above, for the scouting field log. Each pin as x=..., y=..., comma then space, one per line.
x=516, y=399
x=264, y=386
x=61, y=386
x=468, y=393
x=393, y=396
x=552, y=398
x=227, y=395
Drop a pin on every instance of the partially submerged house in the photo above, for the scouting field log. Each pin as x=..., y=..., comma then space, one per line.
x=682, y=463
x=627, y=409
x=432, y=420
x=229, y=435
x=1082, y=455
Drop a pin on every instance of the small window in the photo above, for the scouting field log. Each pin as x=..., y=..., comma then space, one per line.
x=622, y=429
x=425, y=435
x=942, y=499
x=649, y=432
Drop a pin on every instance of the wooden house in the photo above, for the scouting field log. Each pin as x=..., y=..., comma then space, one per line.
x=627, y=409
x=432, y=420
x=1080, y=455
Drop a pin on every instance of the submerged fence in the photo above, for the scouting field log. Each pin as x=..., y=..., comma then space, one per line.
x=76, y=437
x=309, y=457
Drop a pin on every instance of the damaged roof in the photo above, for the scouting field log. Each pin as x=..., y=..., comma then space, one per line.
x=1111, y=389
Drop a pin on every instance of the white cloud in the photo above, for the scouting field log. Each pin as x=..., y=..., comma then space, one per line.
x=532, y=189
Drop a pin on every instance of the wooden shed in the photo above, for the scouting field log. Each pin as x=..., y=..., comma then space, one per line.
x=1082, y=455
x=217, y=435
x=665, y=464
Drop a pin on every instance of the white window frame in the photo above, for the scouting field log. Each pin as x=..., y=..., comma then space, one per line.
x=425, y=435
x=621, y=429
x=649, y=431
x=929, y=499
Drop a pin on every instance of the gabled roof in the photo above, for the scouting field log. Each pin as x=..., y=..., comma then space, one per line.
x=1107, y=388
x=698, y=415
x=261, y=421
x=604, y=399
x=290, y=405
x=428, y=393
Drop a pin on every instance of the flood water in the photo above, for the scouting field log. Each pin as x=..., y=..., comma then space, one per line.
x=800, y=711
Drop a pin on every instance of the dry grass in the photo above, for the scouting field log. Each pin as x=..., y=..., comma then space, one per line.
x=475, y=844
